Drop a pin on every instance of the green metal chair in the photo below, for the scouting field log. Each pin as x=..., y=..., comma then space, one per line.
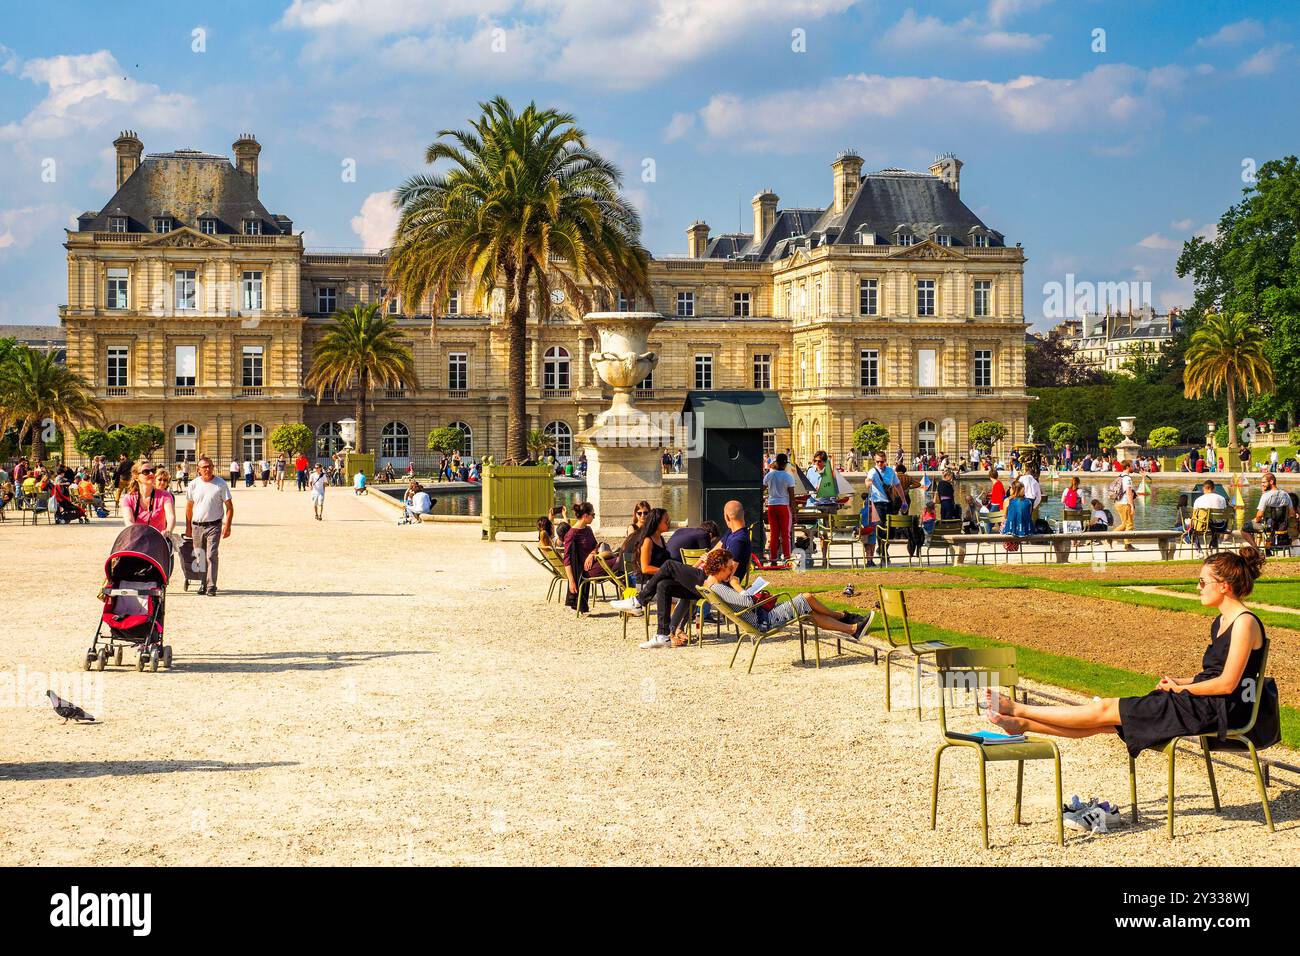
x=893, y=528
x=893, y=612
x=625, y=590
x=1236, y=741
x=746, y=630
x=557, y=576
x=978, y=669
x=941, y=537
x=839, y=529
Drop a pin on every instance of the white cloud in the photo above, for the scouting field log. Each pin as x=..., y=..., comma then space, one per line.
x=1182, y=225
x=23, y=226
x=1157, y=241
x=1264, y=61
x=87, y=91
x=1234, y=33
x=926, y=33
x=1003, y=10
x=377, y=221
x=678, y=126
x=1116, y=98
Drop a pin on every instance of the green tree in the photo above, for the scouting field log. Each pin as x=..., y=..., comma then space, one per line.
x=293, y=439
x=1163, y=437
x=91, y=442
x=361, y=349
x=537, y=443
x=523, y=190
x=36, y=387
x=984, y=435
x=870, y=438
x=1062, y=434
x=142, y=439
x=1108, y=436
x=1227, y=356
x=446, y=440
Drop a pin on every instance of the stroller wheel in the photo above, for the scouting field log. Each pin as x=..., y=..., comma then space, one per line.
x=87, y=659
x=140, y=658
x=167, y=656
x=101, y=660
x=117, y=656
x=187, y=584
x=154, y=656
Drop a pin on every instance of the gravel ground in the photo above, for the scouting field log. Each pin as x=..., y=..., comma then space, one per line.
x=361, y=693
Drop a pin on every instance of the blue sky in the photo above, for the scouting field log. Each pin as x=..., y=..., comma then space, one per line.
x=1099, y=161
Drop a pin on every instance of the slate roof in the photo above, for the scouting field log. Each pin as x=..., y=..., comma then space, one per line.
x=886, y=200
x=186, y=184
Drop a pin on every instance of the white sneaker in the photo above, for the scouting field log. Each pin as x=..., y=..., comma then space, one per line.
x=659, y=640
x=627, y=606
x=1091, y=820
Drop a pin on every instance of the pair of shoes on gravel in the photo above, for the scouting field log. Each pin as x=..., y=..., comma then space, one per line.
x=659, y=640
x=1095, y=816
x=627, y=606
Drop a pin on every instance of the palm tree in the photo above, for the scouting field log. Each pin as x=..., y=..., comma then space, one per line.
x=362, y=349
x=1227, y=354
x=35, y=386
x=537, y=442
x=523, y=190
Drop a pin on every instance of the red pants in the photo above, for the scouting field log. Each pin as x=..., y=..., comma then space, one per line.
x=778, y=532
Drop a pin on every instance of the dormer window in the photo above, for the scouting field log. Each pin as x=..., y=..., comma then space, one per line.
x=163, y=224
x=981, y=241
x=208, y=226
x=117, y=223
x=252, y=227
x=906, y=239
x=943, y=239
x=866, y=238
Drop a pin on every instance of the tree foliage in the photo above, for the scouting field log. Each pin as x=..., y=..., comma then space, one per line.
x=293, y=439
x=1108, y=437
x=1062, y=434
x=1227, y=356
x=446, y=440
x=1049, y=363
x=1163, y=437
x=984, y=435
x=871, y=438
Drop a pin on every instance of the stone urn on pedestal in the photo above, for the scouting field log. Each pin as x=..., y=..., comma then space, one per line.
x=1127, y=449
x=624, y=444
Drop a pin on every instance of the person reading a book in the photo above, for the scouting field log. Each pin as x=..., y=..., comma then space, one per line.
x=1220, y=697
x=720, y=568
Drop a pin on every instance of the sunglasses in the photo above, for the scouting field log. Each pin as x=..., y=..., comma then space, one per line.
x=1202, y=583
x=642, y=514
x=147, y=471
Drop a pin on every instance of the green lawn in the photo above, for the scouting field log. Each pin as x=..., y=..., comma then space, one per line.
x=1282, y=593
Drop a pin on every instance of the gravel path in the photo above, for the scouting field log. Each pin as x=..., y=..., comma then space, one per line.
x=366, y=693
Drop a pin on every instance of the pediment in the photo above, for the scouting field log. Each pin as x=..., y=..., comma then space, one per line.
x=185, y=237
x=929, y=249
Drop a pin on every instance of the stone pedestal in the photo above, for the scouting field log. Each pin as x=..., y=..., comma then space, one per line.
x=1127, y=450
x=617, y=478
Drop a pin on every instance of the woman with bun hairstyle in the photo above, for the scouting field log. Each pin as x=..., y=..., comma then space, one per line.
x=1214, y=700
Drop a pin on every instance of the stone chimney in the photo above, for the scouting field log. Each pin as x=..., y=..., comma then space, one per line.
x=847, y=170
x=697, y=239
x=948, y=168
x=129, y=150
x=246, y=149
x=764, y=215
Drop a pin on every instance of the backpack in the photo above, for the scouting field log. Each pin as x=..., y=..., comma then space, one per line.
x=1115, y=493
x=1201, y=520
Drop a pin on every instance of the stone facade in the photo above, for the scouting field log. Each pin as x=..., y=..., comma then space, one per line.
x=781, y=308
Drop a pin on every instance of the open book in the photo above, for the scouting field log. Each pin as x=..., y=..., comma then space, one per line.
x=989, y=737
x=757, y=585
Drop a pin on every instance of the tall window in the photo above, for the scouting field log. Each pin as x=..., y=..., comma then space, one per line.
x=186, y=282
x=763, y=370
x=868, y=297
x=925, y=297
x=185, y=441
x=983, y=297
x=252, y=285
x=769, y=441
x=803, y=369
x=983, y=368
x=926, y=436
x=395, y=441
x=686, y=304
x=453, y=302
x=740, y=304
x=458, y=370
x=116, y=376
x=560, y=437
x=186, y=366
x=326, y=299
x=251, y=372
x=118, y=282
x=624, y=304
x=869, y=368
x=251, y=442
x=927, y=368
x=466, y=438
x=647, y=384
x=817, y=368
x=392, y=305
x=555, y=369
x=704, y=371
x=329, y=439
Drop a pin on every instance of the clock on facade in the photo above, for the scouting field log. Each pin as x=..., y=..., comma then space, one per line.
x=557, y=296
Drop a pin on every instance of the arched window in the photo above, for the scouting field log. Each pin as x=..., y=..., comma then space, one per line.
x=555, y=369
x=817, y=436
x=115, y=427
x=801, y=444
x=329, y=440
x=185, y=442
x=251, y=442
x=560, y=437
x=466, y=439
x=926, y=435
x=395, y=441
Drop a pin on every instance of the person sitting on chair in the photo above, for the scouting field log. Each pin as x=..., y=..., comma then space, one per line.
x=1019, y=518
x=720, y=568
x=1219, y=698
x=1271, y=496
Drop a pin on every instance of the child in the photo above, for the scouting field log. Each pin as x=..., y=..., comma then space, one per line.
x=927, y=519
x=869, y=519
x=1100, y=517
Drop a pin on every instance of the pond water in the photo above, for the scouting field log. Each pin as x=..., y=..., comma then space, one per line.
x=1154, y=511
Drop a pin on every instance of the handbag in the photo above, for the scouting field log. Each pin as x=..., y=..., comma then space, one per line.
x=764, y=600
x=1267, y=730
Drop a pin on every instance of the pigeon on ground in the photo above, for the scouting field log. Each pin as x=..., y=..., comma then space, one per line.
x=849, y=590
x=66, y=708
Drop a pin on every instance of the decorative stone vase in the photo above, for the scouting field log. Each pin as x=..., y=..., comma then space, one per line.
x=1127, y=449
x=621, y=359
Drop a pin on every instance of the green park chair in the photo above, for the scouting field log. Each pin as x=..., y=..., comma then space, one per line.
x=893, y=613
x=977, y=669
x=746, y=630
x=689, y=557
x=941, y=537
x=894, y=528
x=625, y=590
x=1236, y=740
x=557, y=575
x=839, y=529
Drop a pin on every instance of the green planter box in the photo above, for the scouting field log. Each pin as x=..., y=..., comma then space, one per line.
x=515, y=496
x=355, y=461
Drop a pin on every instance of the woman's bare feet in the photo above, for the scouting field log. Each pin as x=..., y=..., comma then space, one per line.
x=1011, y=725
x=997, y=703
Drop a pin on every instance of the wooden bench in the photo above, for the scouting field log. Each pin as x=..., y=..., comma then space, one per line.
x=1062, y=543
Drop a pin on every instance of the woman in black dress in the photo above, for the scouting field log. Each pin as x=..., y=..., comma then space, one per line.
x=945, y=495
x=652, y=549
x=1216, y=699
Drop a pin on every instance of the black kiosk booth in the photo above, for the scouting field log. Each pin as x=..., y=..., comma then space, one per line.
x=727, y=463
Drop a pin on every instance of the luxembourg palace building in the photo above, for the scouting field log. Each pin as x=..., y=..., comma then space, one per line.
x=192, y=307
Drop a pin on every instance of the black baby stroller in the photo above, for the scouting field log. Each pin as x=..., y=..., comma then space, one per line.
x=134, y=597
x=193, y=563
